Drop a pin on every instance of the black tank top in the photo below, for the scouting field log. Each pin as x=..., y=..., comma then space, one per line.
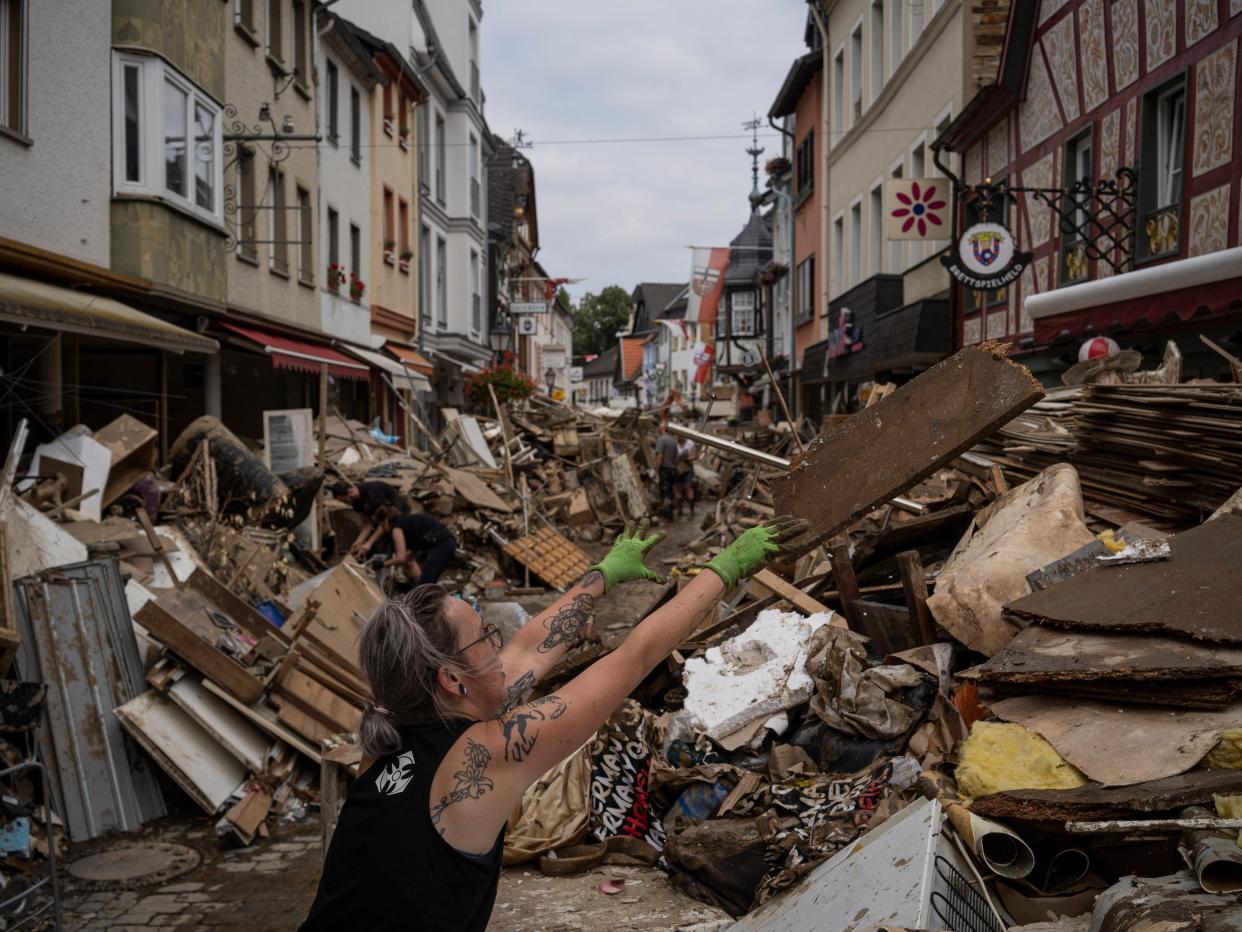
x=387, y=866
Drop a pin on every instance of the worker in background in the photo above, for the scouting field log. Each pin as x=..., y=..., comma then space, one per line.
x=367, y=498
x=687, y=453
x=450, y=743
x=421, y=545
x=666, y=461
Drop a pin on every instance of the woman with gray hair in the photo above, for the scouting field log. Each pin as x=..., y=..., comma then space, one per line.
x=450, y=744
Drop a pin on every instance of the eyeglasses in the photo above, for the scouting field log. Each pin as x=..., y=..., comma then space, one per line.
x=490, y=633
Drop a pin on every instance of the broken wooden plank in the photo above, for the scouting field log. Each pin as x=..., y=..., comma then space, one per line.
x=268, y=722
x=914, y=585
x=1194, y=593
x=883, y=450
x=790, y=593
x=1093, y=801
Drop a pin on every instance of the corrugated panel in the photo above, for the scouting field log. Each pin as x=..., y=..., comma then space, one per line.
x=77, y=637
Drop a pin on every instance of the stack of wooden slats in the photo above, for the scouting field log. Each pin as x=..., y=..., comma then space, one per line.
x=1166, y=454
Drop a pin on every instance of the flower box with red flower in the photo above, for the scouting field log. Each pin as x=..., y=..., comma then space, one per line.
x=390, y=251
x=336, y=275
x=357, y=288
x=403, y=260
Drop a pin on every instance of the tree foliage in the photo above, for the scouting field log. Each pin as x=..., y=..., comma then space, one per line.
x=598, y=318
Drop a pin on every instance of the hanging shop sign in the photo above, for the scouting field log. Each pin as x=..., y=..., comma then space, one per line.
x=986, y=258
x=528, y=307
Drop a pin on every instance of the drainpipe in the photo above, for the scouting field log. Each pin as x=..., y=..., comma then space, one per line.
x=791, y=395
x=821, y=22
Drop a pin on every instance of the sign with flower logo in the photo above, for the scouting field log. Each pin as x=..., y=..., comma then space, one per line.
x=918, y=208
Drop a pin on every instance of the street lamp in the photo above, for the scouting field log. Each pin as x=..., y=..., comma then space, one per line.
x=550, y=378
x=500, y=336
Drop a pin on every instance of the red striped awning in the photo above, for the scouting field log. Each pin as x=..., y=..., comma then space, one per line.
x=300, y=356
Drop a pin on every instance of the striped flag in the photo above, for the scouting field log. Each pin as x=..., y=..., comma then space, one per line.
x=707, y=272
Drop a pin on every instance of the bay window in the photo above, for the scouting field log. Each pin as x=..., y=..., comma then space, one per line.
x=742, y=313
x=166, y=137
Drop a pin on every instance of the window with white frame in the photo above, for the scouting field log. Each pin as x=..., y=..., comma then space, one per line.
x=875, y=229
x=742, y=313
x=838, y=255
x=166, y=136
x=306, y=236
x=441, y=281
x=332, y=102
x=856, y=242
x=13, y=73
x=476, y=300
x=856, y=73
x=805, y=290
x=877, y=49
x=896, y=34
x=1170, y=145
x=896, y=170
x=838, y=96
x=476, y=196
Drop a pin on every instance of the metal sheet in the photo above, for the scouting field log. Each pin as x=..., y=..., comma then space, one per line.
x=78, y=638
x=903, y=873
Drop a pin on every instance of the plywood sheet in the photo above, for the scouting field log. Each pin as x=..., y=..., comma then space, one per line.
x=880, y=452
x=1195, y=593
x=1046, y=654
x=229, y=727
x=206, y=771
x=476, y=491
x=1120, y=745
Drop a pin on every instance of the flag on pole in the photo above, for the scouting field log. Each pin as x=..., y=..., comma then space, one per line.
x=707, y=272
x=917, y=208
x=704, y=354
x=676, y=328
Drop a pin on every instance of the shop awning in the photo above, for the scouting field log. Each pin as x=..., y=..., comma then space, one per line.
x=411, y=357
x=298, y=355
x=401, y=376
x=25, y=301
x=1202, y=286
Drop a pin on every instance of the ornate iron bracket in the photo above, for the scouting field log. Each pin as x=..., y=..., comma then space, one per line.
x=1096, y=220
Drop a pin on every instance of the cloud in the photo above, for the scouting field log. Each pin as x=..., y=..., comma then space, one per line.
x=623, y=212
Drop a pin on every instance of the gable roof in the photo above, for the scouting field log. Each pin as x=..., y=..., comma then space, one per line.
x=433, y=42
x=800, y=75
x=603, y=365
x=655, y=296
x=510, y=176
x=631, y=357
x=378, y=47
x=676, y=308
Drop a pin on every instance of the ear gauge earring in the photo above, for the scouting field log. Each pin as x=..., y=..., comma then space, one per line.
x=461, y=688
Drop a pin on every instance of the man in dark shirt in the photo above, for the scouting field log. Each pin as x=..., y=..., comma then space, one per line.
x=367, y=498
x=666, y=459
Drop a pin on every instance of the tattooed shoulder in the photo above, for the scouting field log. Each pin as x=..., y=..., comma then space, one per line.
x=521, y=726
x=517, y=692
x=565, y=627
x=471, y=782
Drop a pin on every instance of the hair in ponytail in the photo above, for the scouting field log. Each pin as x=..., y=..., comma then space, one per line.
x=403, y=647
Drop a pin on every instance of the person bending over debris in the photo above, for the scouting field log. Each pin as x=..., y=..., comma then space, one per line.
x=367, y=498
x=450, y=744
x=417, y=534
x=666, y=455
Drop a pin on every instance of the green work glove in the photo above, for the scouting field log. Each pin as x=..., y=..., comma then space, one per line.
x=758, y=546
x=625, y=560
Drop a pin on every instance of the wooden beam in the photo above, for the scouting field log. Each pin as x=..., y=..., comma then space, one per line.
x=915, y=586
x=880, y=452
x=847, y=583
x=790, y=593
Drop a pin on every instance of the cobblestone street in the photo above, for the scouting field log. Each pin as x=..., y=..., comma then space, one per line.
x=264, y=888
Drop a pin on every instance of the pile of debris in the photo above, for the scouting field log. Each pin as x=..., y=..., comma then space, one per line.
x=1026, y=720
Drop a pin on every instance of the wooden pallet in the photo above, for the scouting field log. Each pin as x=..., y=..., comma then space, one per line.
x=556, y=560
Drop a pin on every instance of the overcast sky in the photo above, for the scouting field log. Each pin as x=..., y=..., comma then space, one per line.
x=621, y=213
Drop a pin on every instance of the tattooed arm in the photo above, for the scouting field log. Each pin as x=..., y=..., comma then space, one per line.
x=471, y=801
x=546, y=638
